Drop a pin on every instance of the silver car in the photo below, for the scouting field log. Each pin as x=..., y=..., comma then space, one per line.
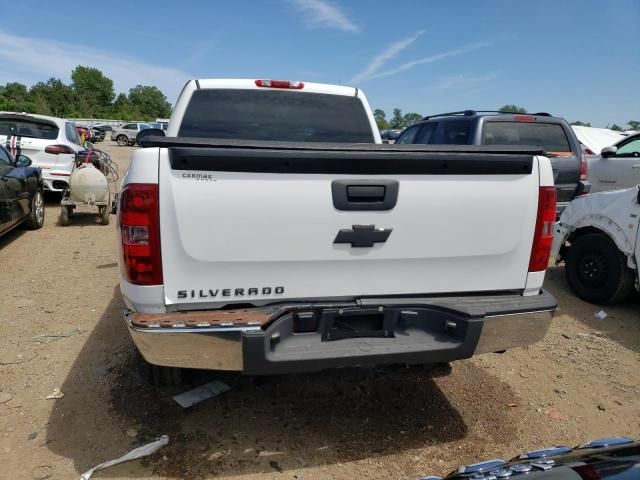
x=617, y=166
x=126, y=133
x=51, y=143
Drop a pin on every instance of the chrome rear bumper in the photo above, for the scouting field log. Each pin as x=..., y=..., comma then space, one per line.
x=265, y=341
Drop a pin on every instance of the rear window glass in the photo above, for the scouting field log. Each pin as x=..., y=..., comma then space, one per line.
x=276, y=115
x=550, y=136
x=455, y=132
x=28, y=128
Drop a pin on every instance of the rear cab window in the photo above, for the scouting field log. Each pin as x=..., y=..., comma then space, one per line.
x=276, y=115
x=31, y=128
x=550, y=136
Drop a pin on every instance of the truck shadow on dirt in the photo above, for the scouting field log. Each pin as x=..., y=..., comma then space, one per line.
x=264, y=424
x=622, y=323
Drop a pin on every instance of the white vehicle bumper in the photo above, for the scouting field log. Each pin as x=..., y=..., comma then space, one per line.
x=55, y=180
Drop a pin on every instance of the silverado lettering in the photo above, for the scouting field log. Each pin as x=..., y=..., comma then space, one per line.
x=228, y=292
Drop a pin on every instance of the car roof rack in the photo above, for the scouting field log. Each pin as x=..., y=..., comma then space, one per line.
x=466, y=113
x=471, y=113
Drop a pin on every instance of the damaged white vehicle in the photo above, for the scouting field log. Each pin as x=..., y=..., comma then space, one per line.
x=597, y=237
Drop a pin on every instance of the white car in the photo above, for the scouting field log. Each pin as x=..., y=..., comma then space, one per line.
x=127, y=133
x=617, y=166
x=597, y=236
x=268, y=233
x=51, y=143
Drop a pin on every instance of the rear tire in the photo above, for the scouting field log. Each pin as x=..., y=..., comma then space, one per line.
x=36, y=215
x=122, y=140
x=158, y=376
x=597, y=271
x=104, y=215
x=65, y=214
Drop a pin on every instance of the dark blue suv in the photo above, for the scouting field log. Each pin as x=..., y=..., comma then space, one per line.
x=470, y=127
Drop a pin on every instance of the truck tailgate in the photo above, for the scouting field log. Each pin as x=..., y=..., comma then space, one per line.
x=254, y=225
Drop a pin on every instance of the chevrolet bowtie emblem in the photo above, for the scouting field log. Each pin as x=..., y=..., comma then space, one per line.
x=363, y=235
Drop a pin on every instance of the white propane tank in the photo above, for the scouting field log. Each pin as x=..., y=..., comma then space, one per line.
x=88, y=185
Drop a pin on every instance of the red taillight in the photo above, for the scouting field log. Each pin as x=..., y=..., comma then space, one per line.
x=58, y=149
x=280, y=84
x=583, y=167
x=140, y=230
x=543, y=236
x=524, y=118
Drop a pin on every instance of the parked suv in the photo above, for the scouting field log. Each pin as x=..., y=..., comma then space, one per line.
x=554, y=135
x=125, y=134
x=51, y=143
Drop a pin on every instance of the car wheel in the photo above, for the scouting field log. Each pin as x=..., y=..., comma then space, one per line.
x=597, y=271
x=36, y=216
x=104, y=215
x=65, y=214
x=122, y=140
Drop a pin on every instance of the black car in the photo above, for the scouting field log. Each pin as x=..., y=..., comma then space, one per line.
x=21, y=193
x=470, y=127
x=616, y=458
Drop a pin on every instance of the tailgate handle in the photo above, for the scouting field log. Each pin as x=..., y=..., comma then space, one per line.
x=364, y=194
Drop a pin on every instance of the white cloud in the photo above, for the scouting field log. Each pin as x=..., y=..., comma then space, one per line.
x=34, y=59
x=431, y=59
x=321, y=13
x=383, y=57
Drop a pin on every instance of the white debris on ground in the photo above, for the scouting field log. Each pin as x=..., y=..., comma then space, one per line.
x=143, y=451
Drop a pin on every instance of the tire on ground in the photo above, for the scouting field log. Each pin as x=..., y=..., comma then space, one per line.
x=36, y=215
x=65, y=214
x=104, y=215
x=597, y=271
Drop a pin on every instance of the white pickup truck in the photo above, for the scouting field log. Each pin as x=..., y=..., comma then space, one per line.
x=271, y=232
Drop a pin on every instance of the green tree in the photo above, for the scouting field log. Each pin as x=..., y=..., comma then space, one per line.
x=59, y=98
x=93, y=90
x=615, y=127
x=512, y=108
x=578, y=123
x=397, y=121
x=381, y=119
x=411, y=118
x=633, y=125
x=15, y=97
x=122, y=108
x=149, y=102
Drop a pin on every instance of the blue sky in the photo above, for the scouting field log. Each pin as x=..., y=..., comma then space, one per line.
x=573, y=58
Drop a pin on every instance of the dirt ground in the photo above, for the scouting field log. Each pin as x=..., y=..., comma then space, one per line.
x=580, y=383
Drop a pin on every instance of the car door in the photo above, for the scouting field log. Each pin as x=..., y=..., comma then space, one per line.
x=131, y=130
x=626, y=163
x=7, y=197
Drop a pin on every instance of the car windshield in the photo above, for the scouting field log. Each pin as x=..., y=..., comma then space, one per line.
x=276, y=115
x=10, y=126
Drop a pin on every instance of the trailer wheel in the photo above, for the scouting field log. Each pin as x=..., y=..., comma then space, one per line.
x=65, y=213
x=597, y=271
x=104, y=215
